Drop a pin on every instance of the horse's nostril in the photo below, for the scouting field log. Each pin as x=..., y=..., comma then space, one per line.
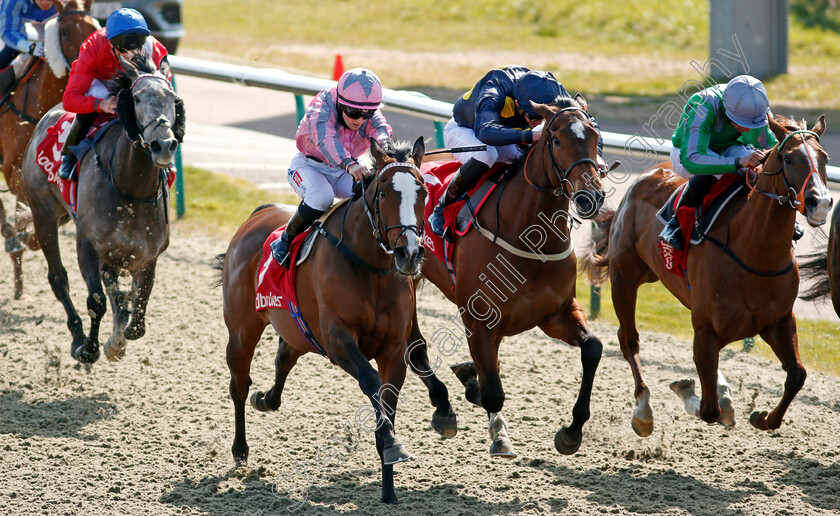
x=155, y=146
x=400, y=253
x=173, y=145
x=811, y=202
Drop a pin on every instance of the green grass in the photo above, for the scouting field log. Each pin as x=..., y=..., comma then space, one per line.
x=659, y=311
x=220, y=202
x=305, y=35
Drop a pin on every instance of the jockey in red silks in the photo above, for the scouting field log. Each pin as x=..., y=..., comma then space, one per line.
x=125, y=34
x=332, y=135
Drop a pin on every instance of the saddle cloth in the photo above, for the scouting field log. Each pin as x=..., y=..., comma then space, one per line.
x=727, y=189
x=457, y=216
x=48, y=153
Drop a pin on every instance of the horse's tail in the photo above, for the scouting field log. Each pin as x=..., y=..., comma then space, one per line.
x=595, y=261
x=219, y=265
x=814, y=267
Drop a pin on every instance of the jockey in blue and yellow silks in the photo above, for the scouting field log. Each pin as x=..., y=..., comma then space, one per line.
x=496, y=112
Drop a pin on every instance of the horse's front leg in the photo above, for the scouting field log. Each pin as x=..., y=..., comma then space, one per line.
x=392, y=375
x=115, y=347
x=706, y=359
x=141, y=288
x=570, y=326
x=784, y=342
x=443, y=420
x=344, y=351
x=96, y=302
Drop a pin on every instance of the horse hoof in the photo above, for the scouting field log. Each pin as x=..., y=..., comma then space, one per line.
x=390, y=500
x=727, y=412
x=17, y=242
x=642, y=428
x=565, y=442
x=114, y=351
x=502, y=448
x=446, y=425
x=394, y=454
x=466, y=372
x=84, y=356
x=135, y=332
x=258, y=401
x=759, y=420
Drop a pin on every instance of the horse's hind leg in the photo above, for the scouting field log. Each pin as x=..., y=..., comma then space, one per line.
x=243, y=335
x=284, y=361
x=443, y=420
x=625, y=288
x=784, y=342
x=685, y=390
x=141, y=290
x=46, y=227
x=570, y=326
x=115, y=347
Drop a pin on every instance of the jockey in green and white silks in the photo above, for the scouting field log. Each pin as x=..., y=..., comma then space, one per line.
x=723, y=129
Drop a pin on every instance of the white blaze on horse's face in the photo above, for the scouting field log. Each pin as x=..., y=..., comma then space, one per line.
x=577, y=129
x=818, y=215
x=406, y=184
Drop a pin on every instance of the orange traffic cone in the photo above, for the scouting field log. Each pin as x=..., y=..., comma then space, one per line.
x=338, y=67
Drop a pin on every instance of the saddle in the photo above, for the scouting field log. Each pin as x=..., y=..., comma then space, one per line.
x=697, y=222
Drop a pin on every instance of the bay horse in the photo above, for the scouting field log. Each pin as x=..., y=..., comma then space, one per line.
x=122, y=219
x=358, y=299
x=41, y=88
x=503, y=289
x=749, y=290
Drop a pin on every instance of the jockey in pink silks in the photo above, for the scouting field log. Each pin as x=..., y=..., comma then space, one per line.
x=332, y=135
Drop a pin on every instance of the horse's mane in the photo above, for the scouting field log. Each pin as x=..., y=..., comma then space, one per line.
x=122, y=81
x=399, y=150
x=789, y=123
x=565, y=102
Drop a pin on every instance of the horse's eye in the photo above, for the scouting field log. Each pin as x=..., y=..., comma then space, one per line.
x=555, y=140
x=787, y=160
x=136, y=99
x=382, y=194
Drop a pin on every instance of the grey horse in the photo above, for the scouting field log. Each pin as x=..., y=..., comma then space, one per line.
x=122, y=220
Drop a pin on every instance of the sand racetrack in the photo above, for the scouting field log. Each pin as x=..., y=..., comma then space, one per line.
x=152, y=434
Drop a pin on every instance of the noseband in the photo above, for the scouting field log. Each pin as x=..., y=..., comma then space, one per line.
x=375, y=217
x=793, y=199
x=563, y=190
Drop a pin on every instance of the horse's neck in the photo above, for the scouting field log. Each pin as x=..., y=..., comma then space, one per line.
x=522, y=207
x=763, y=227
x=132, y=168
x=358, y=233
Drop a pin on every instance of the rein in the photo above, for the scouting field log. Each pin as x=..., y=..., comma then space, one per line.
x=7, y=98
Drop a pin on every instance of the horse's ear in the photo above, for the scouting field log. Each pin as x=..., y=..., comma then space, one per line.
x=778, y=130
x=59, y=6
x=179, y=128
x=88, y=4
x=128, y=66
x=165, y=68
x=376, y=151
x=580, y=99
x=418, y=151
x=125, y=111
x=543, y=110
x=819, y=126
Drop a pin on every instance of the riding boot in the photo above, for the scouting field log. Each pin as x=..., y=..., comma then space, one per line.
x=7, y=79
x=696, y=189
x=300, y=222
x=464, y=179
x=75, y=134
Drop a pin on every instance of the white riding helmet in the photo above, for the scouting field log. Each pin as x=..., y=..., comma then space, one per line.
x=745, y=101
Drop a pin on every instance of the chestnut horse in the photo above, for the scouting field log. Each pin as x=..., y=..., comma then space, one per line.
x=748, y=291
x=38, y=91
x=357, y=297
x=525, y=275
x=823, y=266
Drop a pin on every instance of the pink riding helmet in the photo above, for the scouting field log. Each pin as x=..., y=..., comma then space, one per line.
x=360, y=88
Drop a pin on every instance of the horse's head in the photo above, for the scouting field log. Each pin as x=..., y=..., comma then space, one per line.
x=569, y=147
x=398, y=201
x=800, y=161
x=151, y=112
x=65, y=34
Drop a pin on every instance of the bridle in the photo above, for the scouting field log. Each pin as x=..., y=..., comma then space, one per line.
x=161, y=120
x=566, y=189
x=793, y=199
x=67, y=62
x=375, y=217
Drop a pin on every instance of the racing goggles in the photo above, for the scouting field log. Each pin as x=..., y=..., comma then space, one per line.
x=128, y=42
x=356, y=113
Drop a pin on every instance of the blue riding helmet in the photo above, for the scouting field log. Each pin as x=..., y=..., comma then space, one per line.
x=125, y=21
x=538, y=86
